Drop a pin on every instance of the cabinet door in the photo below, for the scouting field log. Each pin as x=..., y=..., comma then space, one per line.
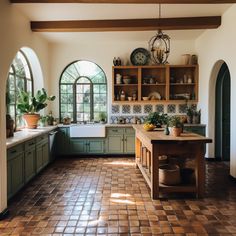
x=129, y=144
x=29, y=164
x=78, y=146
x=95, y=146
x=115, y=144
x=45, y=153
x=39, y=158
x=9, y=180
x=17, y=174
x=62, y=141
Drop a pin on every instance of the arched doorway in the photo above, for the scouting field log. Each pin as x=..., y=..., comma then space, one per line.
x=222, y=114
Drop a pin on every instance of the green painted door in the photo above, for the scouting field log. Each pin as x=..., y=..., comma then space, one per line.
x=63, y=141
x=39, y=158
x=9, y=180
x=17, y=177
x=29, y=164
x=129, y=144
x=78, y=146
x=115, y=144
x=45, y=153
x=95, y=146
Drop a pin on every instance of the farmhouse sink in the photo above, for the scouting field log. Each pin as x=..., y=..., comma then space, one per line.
x=88, y=131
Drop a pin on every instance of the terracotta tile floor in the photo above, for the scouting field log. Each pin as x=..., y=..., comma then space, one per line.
x=108, y=196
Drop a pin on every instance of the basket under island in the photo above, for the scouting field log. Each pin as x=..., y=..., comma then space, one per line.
x=150, y=145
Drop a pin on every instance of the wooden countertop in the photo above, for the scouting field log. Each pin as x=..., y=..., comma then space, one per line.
x=158, y=136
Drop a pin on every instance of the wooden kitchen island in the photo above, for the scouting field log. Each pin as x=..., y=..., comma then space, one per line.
x=152, y=144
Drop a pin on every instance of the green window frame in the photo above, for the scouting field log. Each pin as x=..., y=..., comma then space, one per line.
x=19, y=77
x=83, y=92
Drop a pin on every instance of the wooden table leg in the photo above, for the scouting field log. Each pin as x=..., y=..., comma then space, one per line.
x=155, y=172
x=200, y=170
x=137, y=151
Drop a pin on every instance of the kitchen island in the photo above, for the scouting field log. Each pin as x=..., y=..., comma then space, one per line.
x=150, y=145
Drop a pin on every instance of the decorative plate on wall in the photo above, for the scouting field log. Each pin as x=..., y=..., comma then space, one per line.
x=140, y=57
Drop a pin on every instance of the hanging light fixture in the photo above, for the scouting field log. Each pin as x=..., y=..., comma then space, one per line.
x=159, y=45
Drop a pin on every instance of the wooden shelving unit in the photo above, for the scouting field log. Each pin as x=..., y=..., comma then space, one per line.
x=163, y=83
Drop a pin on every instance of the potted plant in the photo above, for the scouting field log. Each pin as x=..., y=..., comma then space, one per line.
x=156, y=119
x=196, y=117
x=29, y=106
x=102, y=117
x=176, y=126
x=189, y=113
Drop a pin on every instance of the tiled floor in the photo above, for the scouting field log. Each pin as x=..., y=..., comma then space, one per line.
x=108, y=196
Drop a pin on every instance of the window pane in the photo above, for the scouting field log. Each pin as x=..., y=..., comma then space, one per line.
x=87, y=94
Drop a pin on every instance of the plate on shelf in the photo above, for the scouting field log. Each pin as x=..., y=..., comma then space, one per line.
x=140, y=57
x=154, y=96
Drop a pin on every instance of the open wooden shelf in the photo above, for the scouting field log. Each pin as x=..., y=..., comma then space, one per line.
x=166, y=80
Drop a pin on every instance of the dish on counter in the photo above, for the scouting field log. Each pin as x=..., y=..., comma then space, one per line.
x=154, y=96
x=140, y=57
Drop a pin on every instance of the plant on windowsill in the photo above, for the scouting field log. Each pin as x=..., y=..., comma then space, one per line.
x=29, y=106
x=102, y=117
x=176, y=126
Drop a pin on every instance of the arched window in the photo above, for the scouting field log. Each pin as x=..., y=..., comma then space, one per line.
x=83, y=92
x=19, y=77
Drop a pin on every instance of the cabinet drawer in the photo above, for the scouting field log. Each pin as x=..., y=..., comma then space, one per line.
x=129, y=131
x=41, y=139
x=30, y=144
x=115, y=131
x=14, y=151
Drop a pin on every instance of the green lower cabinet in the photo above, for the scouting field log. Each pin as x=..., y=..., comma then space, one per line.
x=15, y=169
x=29, y=164
x=63, y=141
x=114, y=144
x=120, y=141
x=46, y=157
x=129, y=144
x=39, y=158
x=198, y=129
x=95, y=146
x=86, y=146
x=77, y=146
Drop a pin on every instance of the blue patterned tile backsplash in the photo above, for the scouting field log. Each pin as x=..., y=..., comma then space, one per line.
x=137, y=109
x=182, y=108
x=159, y=108
x=126, y=109
x=148, y=109
x=115, y=109
x=171, y=108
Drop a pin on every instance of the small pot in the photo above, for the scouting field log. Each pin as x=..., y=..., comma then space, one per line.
x=176, y=131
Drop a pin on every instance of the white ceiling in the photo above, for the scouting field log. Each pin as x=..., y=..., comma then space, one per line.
x=42, y=12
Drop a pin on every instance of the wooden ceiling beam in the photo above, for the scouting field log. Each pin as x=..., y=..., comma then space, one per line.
x=129, y=1
x=184, y=23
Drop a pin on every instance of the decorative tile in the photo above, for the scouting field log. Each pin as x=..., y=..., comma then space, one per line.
x=128, y=119
x=159, y=108
x=171, y=108
x=137, y=109
x=182, y=108
x=148, y=109
x=113, y=119
x=126, y=109
x=115, y=109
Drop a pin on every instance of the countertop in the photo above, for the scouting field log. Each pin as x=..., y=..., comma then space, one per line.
x=159, y=137
x=27, y=134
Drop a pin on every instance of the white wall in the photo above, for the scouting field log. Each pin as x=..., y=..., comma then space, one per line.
x=15, y=33
x=103, y=53
x=214, y=46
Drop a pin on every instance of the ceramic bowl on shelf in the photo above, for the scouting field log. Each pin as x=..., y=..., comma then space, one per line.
x=130, y=98
x=145, y=98
x=126, y=79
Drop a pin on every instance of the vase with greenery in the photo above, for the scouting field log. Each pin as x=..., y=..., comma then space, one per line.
x=102, y=117
x=29, y=106
x=189, y=113
x=176, y=126
x=196, y=117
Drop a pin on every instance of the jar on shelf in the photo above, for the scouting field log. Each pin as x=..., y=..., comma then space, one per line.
x=122, y=95
x=118, y=78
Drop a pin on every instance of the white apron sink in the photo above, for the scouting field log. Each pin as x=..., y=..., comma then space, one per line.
x=88, y=131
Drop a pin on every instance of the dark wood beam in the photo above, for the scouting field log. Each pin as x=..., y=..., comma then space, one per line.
x=129, y=1
x=184, y=23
